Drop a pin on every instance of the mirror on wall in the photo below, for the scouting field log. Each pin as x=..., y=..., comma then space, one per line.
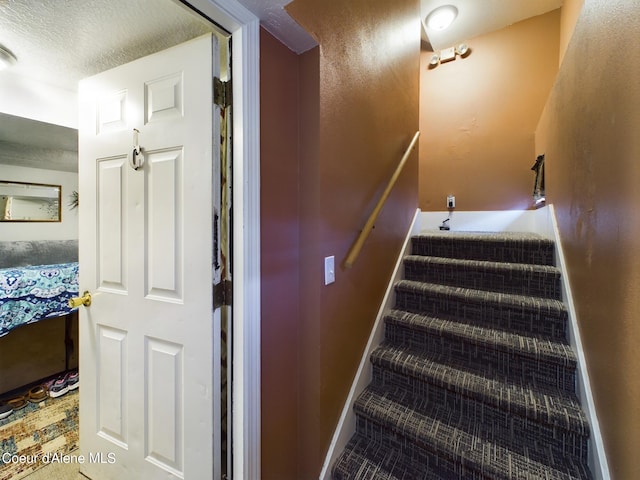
x=29, y=202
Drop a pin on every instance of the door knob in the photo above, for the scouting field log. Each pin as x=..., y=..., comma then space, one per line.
x=85, y=300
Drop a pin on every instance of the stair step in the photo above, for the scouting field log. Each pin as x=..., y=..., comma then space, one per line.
x=496, y=247
x=428, y=375
x=514, y=278
x=541, y=361
x=527, y=315
x=472, y=446
x=364, y=459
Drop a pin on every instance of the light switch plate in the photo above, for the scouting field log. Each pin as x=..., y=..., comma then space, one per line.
x=329, y=270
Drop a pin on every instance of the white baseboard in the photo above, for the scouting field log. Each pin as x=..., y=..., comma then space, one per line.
x=541, y=221
x=597, y=458
x=347, y=424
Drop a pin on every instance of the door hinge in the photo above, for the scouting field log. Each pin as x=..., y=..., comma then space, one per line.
x=221, y=93
x=223, y=294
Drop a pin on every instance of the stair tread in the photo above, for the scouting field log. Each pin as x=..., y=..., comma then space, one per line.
x=366, y=459
x=523, y=345
x=503, y=246
x=485, y=296
x=542, y=404
x=434, y=429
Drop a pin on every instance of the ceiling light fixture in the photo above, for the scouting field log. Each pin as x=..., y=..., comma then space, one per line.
x=7, y=58
x=442, y=17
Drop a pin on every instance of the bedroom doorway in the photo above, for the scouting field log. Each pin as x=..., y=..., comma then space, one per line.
x=221, y=218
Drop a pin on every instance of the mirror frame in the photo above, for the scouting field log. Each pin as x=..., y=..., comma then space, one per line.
x=52, y=220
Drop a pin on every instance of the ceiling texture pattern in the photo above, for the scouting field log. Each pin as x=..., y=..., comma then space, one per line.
x=62, y=41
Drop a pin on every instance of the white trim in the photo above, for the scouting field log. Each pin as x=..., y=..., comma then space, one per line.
x=597, y=457
x=347, y=424
x=245, y=35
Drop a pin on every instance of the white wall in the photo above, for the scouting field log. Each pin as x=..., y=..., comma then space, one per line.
x=65, y=230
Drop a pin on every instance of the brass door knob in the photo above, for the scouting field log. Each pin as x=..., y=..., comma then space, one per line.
x=85, y=300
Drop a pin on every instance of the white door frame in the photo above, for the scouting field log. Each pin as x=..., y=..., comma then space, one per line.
x=245, y=33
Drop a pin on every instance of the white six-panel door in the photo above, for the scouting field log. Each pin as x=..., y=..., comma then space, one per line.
x=149, y=401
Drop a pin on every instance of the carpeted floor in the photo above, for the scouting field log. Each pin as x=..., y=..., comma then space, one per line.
x=38, y=434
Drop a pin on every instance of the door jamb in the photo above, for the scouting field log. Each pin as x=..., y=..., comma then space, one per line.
x=244, y=27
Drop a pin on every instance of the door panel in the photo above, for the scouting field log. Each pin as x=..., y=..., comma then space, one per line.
x=164, y=225
x=112, y=224
x=147, y=341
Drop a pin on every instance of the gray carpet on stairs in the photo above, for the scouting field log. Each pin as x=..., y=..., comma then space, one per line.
x=475, y=378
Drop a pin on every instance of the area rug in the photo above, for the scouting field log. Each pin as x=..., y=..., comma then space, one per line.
x=38, y=434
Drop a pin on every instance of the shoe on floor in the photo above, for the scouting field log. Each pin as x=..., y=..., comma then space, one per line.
x=38, y=393
x=73, y=380
x=18, y=402
x=5, y=410
x=58, y=387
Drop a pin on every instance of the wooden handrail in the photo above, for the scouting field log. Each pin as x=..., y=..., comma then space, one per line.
x=357, y=246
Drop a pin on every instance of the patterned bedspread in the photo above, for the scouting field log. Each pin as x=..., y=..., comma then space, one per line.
x=29, y=294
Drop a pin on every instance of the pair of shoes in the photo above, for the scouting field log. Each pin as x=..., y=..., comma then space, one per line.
x=18, y=402
x=38, y=393
x=5, y=410
x=64, y=383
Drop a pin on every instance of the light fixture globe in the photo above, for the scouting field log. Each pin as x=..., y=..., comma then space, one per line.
x=441, y=18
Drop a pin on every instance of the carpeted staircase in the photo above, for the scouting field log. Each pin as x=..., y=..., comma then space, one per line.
x=475, y=378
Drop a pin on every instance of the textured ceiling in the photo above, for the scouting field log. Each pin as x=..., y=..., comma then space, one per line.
x=61, y=41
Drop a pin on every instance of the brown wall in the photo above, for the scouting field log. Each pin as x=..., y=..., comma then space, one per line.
x=359, y=110
x=589, y=133
x=478, y=116
x=279, y=257
x=570, y=12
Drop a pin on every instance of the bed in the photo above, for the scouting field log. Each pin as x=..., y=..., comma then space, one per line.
x=38, y=330
x=32, y=293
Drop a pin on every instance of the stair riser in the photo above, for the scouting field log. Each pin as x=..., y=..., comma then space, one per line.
x=529, y=252
x=517, y=282
x=485, y=359
x=517, y=319
x=521, y=431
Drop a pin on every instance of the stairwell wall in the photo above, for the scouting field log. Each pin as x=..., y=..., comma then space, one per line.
x=589, y=134
x=365, y=80
x=478, y=116
x=280, y=256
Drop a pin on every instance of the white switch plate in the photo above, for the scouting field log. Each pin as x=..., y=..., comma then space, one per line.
x=329, y=270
